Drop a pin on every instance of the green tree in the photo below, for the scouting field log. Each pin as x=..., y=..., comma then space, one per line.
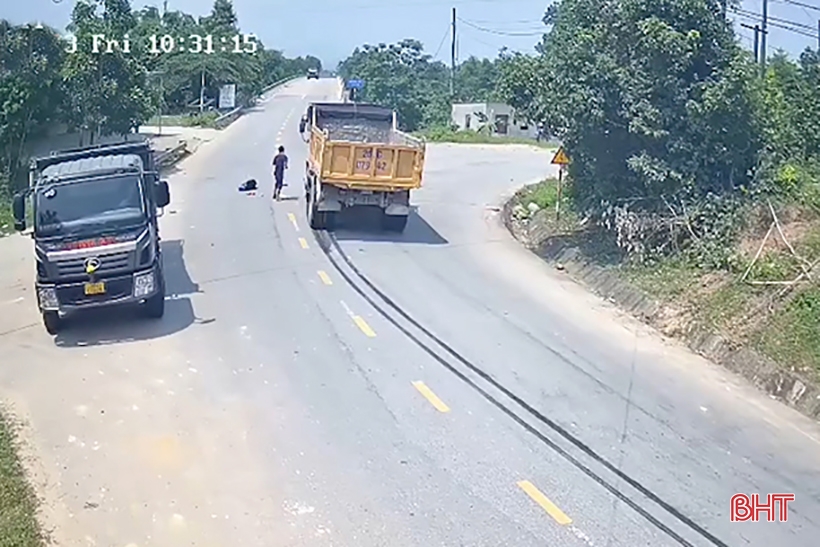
x=42, y=85
x=404, y=77
x=222, y=21
x=477, y=79
x=655, y=102
x=107, y=92
x=31, y=91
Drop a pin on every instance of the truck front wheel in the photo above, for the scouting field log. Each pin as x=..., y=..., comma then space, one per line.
x=52, y=322
x=155, y=306
x=394, y=223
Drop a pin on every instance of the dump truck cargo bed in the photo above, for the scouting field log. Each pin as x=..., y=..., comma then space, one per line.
x=358, y=158
x=358, y=146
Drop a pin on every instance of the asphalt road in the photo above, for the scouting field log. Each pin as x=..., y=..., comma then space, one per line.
x=442, y=387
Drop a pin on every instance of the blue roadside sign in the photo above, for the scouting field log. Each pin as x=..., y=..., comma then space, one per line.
x=355, y=84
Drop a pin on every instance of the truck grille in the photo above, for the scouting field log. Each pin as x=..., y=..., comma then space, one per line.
x=109, y=263
x=115, y=288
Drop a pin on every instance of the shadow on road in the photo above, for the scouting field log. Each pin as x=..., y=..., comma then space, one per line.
x=364, y=224
x=125, y=324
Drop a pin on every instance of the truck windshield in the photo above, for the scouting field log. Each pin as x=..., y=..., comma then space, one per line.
x=79, y=206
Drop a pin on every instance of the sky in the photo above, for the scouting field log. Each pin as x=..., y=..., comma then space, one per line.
x=331, y=29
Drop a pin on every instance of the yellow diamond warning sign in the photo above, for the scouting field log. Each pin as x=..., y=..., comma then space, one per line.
x=560, y=157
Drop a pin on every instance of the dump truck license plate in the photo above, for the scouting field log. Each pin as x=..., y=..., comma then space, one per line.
x=94, y=288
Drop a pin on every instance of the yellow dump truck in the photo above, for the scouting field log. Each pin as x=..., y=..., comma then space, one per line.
x=358, y=158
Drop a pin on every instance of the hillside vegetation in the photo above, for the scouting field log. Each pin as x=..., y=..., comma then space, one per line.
x=685, y=155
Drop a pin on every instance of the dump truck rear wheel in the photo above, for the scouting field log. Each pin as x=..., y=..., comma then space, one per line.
x=329, y=220
x=394, y=223
x=315, y=218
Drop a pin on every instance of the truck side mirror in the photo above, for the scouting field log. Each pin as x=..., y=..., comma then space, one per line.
x=302, y=124
x=162, y=194
x=18, y=209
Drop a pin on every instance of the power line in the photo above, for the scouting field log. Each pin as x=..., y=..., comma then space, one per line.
x=748, y=13
x=499, y=32
x=800, y=4
x=438, y=49
x=785, y=24
x=516, y=22
x=784, y=27
x=420, y=3
x=476, y=40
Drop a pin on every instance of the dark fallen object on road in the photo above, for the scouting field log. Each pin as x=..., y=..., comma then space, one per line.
x=248, y=185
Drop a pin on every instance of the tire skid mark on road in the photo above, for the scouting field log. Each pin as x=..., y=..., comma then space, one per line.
x=331, y=248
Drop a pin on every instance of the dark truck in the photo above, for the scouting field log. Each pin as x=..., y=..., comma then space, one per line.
x=96, y=234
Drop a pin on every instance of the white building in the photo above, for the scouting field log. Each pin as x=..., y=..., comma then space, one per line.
x=499, y=116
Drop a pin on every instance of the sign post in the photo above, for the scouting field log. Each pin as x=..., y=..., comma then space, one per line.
x=353, y=86
x=561, y=160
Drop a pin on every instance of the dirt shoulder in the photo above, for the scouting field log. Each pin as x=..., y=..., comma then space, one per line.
x=765, y=333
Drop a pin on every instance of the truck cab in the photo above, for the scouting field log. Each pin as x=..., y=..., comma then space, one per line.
x=94, y=214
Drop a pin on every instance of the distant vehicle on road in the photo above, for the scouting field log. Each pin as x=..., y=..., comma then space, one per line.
x=95, y=230
x=312, y=74
x=386, y=163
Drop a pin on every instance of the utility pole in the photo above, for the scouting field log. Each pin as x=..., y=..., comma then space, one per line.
x=818, y=36
x=755, y=28
x=757, y=43
x=202, y=92
x=453, y=58
x=159, y=74
x=161, y=100
x=765, y=31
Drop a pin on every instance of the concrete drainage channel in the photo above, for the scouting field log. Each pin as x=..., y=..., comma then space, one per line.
x=168, y=158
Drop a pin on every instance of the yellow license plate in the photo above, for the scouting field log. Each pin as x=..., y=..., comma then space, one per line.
x=94, y=288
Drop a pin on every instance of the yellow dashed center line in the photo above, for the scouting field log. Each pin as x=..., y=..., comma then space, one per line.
x=433, y=399
x=552, y=510
x=363, y=326
x=292, y=219
x=303, y=243
x=324, y=277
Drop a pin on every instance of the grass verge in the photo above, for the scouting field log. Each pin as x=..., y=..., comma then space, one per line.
x=6, y=220
x=474, y=137
x=18, y=505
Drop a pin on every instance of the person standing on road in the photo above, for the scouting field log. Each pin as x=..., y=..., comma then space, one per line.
x=280, y=163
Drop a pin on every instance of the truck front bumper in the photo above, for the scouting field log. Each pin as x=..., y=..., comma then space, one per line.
x=122, y=289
